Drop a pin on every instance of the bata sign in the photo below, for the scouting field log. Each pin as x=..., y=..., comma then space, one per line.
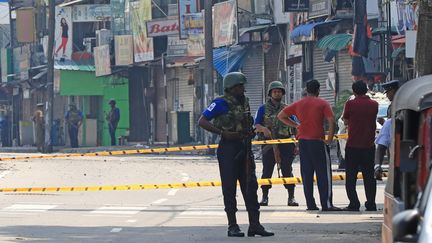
x=162, y=27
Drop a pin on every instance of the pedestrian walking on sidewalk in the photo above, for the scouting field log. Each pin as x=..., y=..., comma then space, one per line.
x=360, y=116
x=39, y=126
x=314, y=152
x=113, y=119
x=282, y=155
x=232, y=121
x=73, y=120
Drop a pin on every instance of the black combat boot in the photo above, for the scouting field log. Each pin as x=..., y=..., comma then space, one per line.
x=255, y=227
x=233, y=228
x=291, y=200
x=264, y=200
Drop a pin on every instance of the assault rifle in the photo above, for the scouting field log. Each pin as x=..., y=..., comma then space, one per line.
x=275, y=147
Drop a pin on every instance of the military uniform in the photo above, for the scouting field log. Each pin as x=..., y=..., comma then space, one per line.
x=231, y=114
x=231, y=157
x=267, y=117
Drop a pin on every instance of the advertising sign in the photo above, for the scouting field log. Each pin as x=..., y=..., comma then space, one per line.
x=193, y=46
x=143, y=45
x=123, y=49
x=162, y=27
x=185, y=7
x=194, y=24
x=295, y=5
x=196, y=45
x=21, y=62
x=4, y=64
x=102, y=60
x=177, y=47
x=319, y=8
x=91, y=12
x=63, y=33
x=225, y=23
x=25, y=25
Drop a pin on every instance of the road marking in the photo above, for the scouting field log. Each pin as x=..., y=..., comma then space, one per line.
x=29, y=207
x=184, y=175
x=159, y=201
x=172, y=192
x=131, y=220
x=4, y=173
x=199, y=212
x=116, y=230
x=185, y=179
x=118, y=210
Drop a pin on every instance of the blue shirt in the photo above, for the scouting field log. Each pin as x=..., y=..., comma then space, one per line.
x=384, y=136
x=216, y=108
x=259, y=116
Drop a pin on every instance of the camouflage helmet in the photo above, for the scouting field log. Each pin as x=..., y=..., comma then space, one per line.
x=276, y=85
x=232, y=79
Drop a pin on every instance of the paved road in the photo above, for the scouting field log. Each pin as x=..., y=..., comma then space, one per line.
x=168, y=215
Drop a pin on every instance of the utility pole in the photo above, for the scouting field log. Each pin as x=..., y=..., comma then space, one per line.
x=50, y=78
x=208, y=68
x=424, y=38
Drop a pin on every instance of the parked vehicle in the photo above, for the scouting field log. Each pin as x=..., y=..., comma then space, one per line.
x=410, y=153
x=415, y=225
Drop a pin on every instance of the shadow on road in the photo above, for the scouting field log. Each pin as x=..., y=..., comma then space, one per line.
x=299, y=232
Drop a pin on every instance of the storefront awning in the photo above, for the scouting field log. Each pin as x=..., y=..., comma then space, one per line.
x=83, y=65
x=256, y=28
x=335, y=42
x=306, y=29
x=228, y=59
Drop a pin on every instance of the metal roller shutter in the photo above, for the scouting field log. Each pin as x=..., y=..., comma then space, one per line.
x=321, y=69
x=344, y=70
x=253, y=69
x=186, y=95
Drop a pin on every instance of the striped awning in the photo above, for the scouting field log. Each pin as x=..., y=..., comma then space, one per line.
x=306, y=29
x=335, y=42
x=228, y=59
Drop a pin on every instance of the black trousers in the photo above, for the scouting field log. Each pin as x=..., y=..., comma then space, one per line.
x=73, y=135
x=112, y=131
x=232, y=167
x=315, y=158
x=360, y=159
x=287, y=158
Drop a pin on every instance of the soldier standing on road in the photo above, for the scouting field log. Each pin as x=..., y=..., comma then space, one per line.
x=360, y=116
x=269, y=127
x=314, y=155
x=73, y=120
x=39, y=126
x=232, y=121
x=113, y=119
x=384, y=137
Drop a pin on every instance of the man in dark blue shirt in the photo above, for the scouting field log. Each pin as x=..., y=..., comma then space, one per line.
x=231, y=119
x=113, y=119
x=73, y=120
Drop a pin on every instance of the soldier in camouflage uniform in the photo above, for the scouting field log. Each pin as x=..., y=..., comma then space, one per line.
x=269, y=127
x=232, y=121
